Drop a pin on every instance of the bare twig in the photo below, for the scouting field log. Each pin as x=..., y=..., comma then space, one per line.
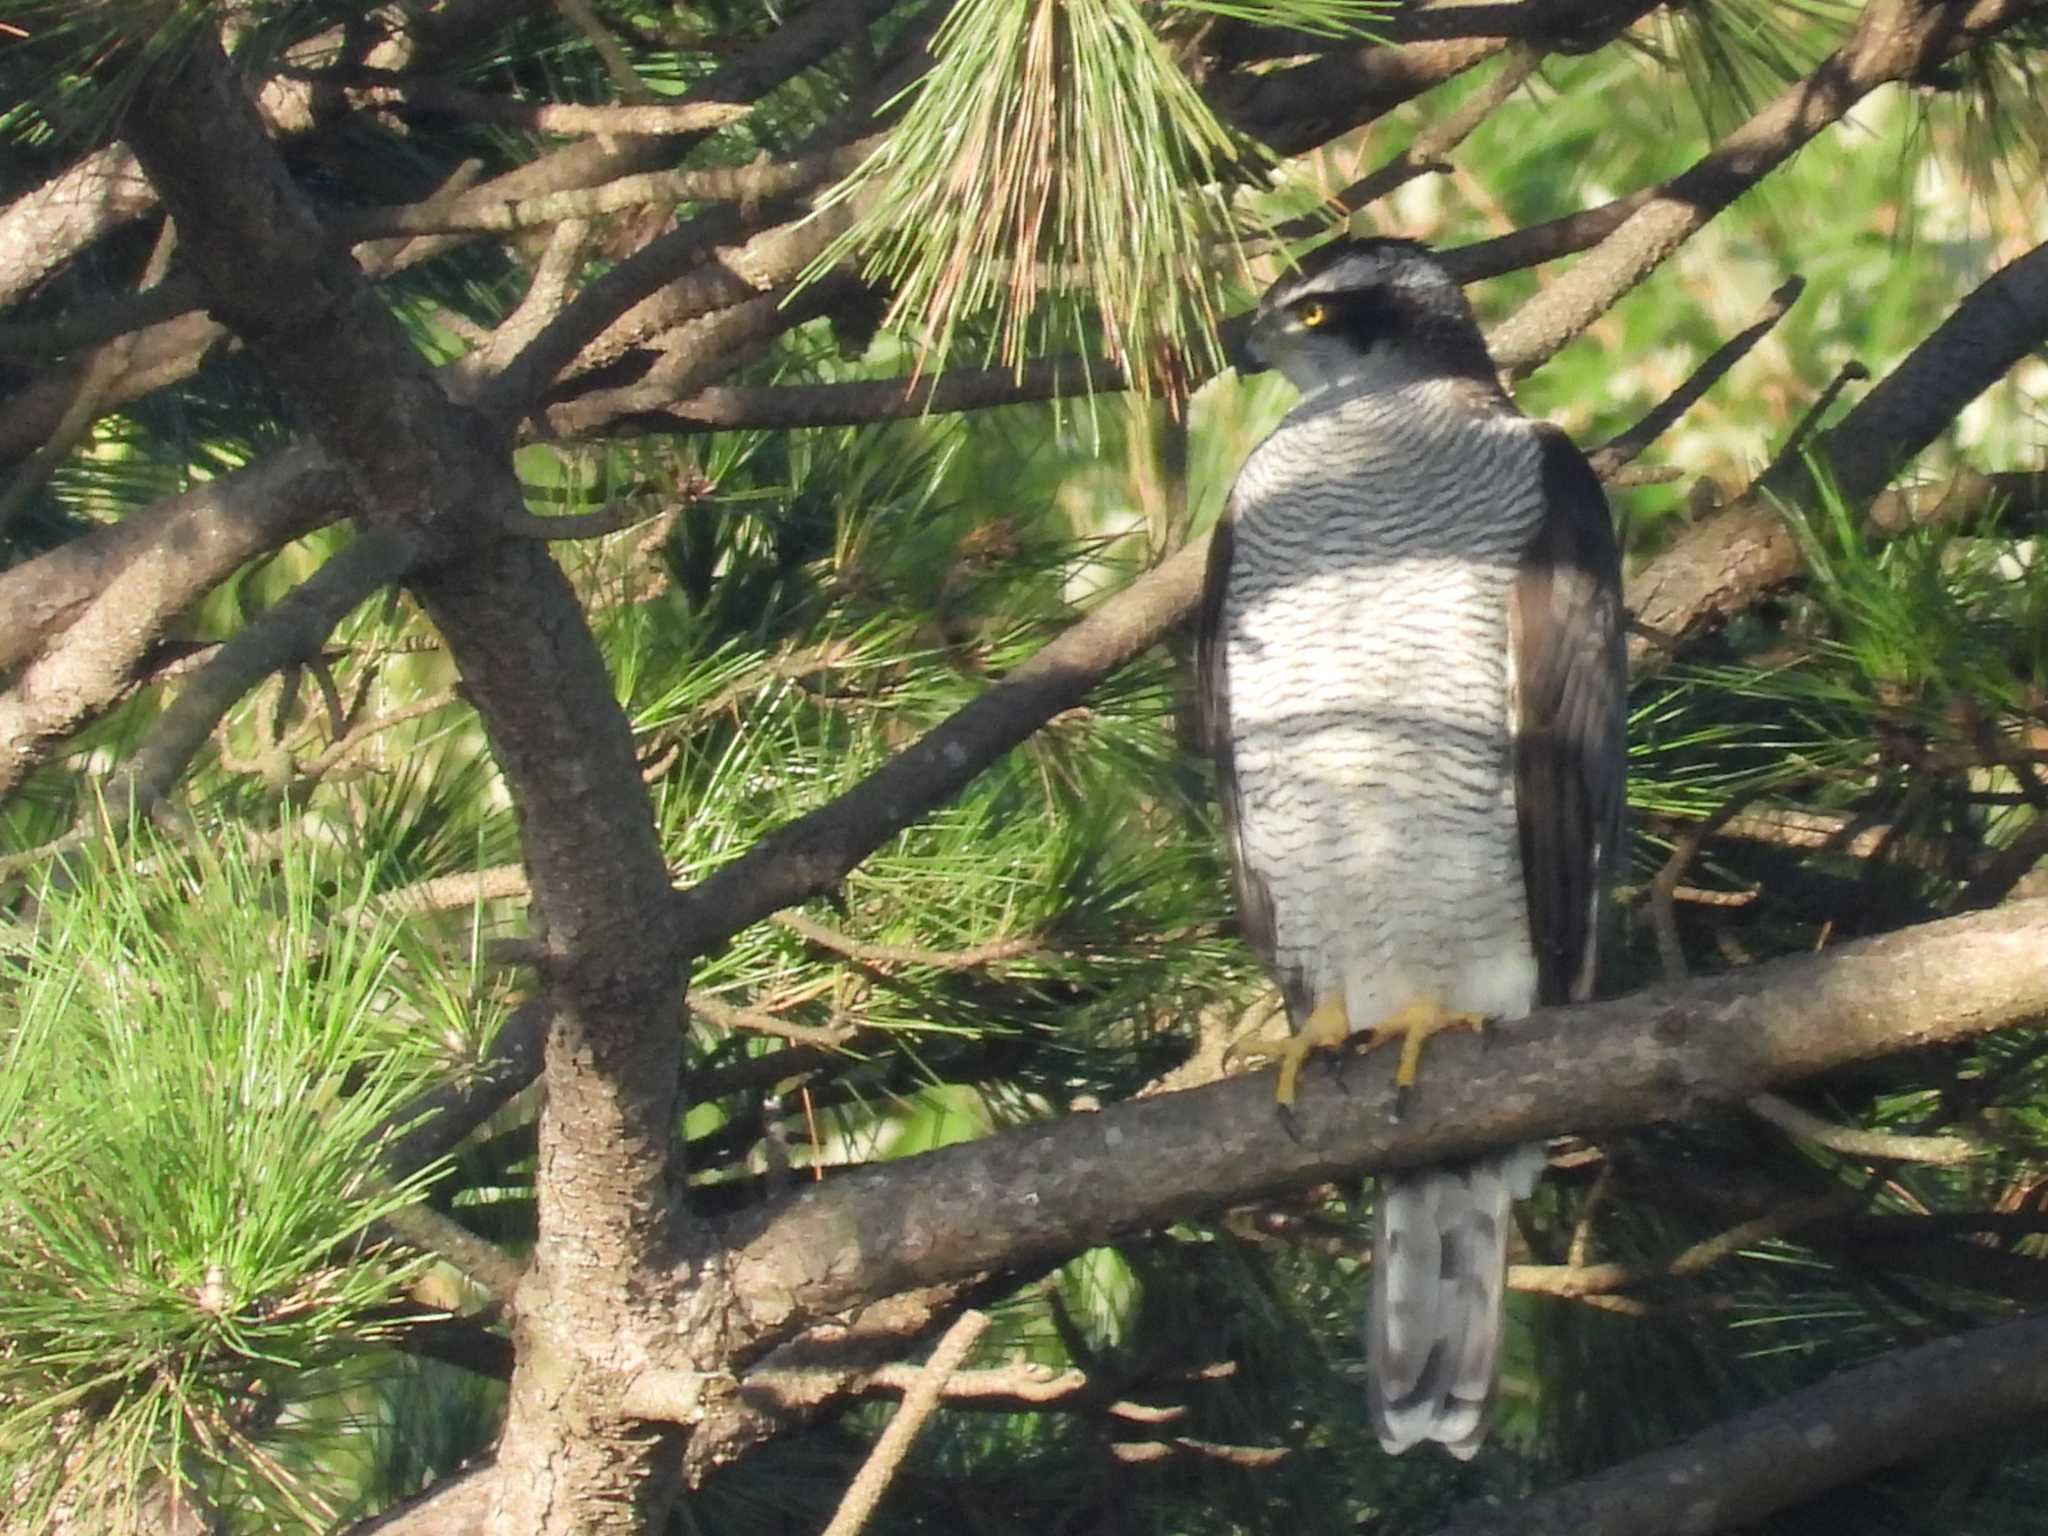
x=1140, y=1452
x=607, y=48
x=819, y=1368
x=1050, y=1189
x=484, y=211
x=1728, y=560
x=1842, y=832
x=2005, y=869
x=1642, y=474
x=1854, y=1141
x=1664, y=886
x=545, y=296
x=826, y=937
x=758, y=1072
x=731, y=1016
x=1610, y=456
x=2001, y=322
x=1296, y=109
x=1851, y=372
x=521, y=524
x=363, y=731
x=291, y=630
x=1582, y=1229
x=565, y=118
x=1425, y=152
x=894, y=1444
x=442, y=893
x=105, y=365
x=1027, y=1385
x=115, y=315
x=479, y=1259
x=857, y=402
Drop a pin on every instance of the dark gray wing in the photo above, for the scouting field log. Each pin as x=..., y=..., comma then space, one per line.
x=1212, y=713
x=1571, y=685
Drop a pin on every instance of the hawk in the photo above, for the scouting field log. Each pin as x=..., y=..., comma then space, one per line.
x=1412, y=684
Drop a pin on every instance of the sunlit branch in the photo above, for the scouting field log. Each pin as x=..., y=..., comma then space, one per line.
x=1733, y=1475
x=1893, y=40
x=482, y=211
x=862, y=401
x=1725, y=562
x=864, y=1493
x=1051, y=1189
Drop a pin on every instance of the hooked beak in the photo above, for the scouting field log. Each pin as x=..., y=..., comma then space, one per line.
x=1246, y=342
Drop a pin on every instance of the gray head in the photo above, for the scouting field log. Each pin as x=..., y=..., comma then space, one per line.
x=1369, y=314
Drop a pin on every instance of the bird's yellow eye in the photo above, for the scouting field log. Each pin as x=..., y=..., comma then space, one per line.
x=1313, y=313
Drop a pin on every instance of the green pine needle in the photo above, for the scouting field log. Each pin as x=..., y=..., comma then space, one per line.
x=1318, y=18
x=197, y=1050
x=1054, y=174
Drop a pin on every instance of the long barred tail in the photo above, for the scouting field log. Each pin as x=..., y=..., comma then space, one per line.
x=1439, y=1278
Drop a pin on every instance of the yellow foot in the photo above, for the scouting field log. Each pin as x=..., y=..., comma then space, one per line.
x=1412, y=1023
x=1325, y=1029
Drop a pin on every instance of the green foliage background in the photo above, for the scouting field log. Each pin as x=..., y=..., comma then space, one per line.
x=200, y=1030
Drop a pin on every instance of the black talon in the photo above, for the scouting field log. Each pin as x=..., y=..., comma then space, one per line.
x=1340, y=1067
x=1289, y=1124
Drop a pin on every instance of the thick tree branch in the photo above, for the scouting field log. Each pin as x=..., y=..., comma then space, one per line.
x=813, y=854
x=1855, y=1142
x=1295, y=109
x=432, y=469
x=288, y=632
x=50, y=224
x=54, y=221
x=483, y=210
x=1575, y=26
x=478, y=1259
x=1425, y=153
x=1728, y=560
x=1893, y=40
x=1056, y=1188
x=863, y=401
x=1846, y=1427
x=292, y=630
x=168, y=352
x=435, y=1121
x=381, y=89
x=698, y=352
x=124, y=369
x=2004, y=320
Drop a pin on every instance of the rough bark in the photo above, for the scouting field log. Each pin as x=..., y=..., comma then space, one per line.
x=569, y=1461
x=1661, y=1054
x=1902, y=1408
x=119, y=588
x=1041, y=1192
x=1728, y=560
x=624, y=1287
